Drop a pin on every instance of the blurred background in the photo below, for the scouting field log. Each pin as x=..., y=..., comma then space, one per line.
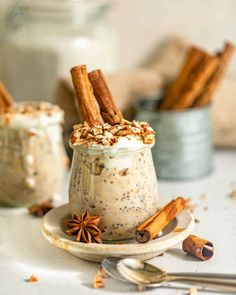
x=146, y=22
x=206, y=23
x=139, y=26
x=140, y=45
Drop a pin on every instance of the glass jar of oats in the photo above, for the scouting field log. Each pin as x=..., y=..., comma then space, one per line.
x=46, y=38
x=116, y=182
x=33, y=158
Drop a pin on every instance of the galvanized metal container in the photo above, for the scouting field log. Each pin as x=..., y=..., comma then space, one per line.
x=183, y=147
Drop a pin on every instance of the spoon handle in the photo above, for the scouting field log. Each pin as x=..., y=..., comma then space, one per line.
x=210, y=282
x=204, y=275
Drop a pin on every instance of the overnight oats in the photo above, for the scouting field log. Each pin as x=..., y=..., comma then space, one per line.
x=113, y=175
x=33, y=158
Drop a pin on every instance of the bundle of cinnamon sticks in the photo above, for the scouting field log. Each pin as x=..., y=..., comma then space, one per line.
x=198, y=79
x=94, y=98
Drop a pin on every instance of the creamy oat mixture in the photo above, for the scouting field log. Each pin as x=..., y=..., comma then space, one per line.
x=32, y=154
x=114, y=176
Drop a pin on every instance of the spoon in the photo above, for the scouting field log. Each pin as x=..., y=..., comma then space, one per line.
x=143, y=273
x=109, y=265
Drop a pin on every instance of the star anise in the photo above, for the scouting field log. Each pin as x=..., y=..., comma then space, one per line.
x=41, y=209
x=85, y=228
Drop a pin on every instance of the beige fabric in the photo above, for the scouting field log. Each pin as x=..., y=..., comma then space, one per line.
x=158, y=70
x=224, y=113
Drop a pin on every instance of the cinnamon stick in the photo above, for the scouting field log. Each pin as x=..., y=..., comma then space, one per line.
x=87, y=104
x=198, y=247
x=214, y=81
x=196, y=82
x=150, y=228
x=193, y=58
x=108, y=108
x=6, y=101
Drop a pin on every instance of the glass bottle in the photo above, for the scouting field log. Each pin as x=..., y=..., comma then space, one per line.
x=47, y=37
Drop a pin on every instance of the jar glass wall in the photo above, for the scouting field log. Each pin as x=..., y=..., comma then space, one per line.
x=119, y=185
x=33, y=159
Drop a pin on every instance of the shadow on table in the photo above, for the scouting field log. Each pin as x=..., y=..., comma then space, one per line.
x=180, y=254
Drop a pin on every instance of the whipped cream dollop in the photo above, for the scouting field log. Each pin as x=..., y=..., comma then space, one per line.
x=125, y=135
x=31, y=114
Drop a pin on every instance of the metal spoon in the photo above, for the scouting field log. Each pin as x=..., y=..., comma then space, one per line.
x=109, y=265
x=140, y=272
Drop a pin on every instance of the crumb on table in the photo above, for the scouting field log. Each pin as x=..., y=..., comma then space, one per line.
x=98, y=281
x=33, y=279
x=233, y=194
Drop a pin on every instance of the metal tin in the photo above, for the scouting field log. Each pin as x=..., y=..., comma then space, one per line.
x=184, y=146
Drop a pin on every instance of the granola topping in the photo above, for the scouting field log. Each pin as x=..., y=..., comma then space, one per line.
x=109, y=135
x=25, y=114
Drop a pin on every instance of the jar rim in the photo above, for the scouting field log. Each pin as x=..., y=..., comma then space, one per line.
x=63, y=6
x=110, y=150
x=57, y=11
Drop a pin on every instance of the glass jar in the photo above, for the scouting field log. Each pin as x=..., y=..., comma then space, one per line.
x=33, y=158
x=120, y=185
x=47, y=37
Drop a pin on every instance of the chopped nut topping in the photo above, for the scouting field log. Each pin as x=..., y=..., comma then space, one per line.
x=178, y=229
x=196, y=220
x=160, y=254
x=32, y=279
x=124, y=171
x=40, y=210
x=98, y=281
x=32, y=108
x=233, y=194
x=108, y=135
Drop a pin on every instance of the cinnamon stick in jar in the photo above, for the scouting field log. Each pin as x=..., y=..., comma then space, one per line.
x=6, y=101
x=196, y=82
x=152, y=226
x=193, y=58
x=198, y=247
x=87, y=103
x=211, y=86
x=109, y=110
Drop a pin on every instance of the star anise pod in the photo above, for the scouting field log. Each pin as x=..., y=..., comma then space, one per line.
x=41, y=209
x=85, y=228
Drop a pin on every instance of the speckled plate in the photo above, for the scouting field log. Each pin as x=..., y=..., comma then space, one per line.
x=54, y=231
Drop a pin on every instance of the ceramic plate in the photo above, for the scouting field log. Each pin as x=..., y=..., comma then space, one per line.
x=54, y=231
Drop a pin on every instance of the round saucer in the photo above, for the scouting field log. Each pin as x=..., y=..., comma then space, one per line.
x=54, y=231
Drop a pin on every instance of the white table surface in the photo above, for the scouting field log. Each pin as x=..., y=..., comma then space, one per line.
x=24, y=251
